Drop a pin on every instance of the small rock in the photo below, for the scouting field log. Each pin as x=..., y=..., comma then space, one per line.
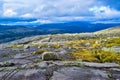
x=43, y=64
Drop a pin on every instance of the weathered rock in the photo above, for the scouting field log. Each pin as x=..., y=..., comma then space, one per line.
x=21, y=56
x=75, y=73
x=19, y=61
x=116, y=69
x=49, y=56
x=100, y=65
x=6, y=64
x=30, y=74
x=43, y=64
x=60, y=76
x=63, y=55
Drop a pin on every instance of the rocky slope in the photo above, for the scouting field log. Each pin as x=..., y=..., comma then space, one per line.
x=84, y=56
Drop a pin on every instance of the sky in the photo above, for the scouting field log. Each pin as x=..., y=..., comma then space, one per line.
x=47, y=11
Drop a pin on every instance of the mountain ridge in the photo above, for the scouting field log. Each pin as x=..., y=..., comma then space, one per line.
x=14, y=32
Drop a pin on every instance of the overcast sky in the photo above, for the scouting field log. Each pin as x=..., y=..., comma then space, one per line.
x=61, y=10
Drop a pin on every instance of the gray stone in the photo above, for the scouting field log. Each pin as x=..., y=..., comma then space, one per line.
x=19, y=61
x=60, y=76
x=6, y=64
x=116, y=69
x=31, y=74
x=75, y=73
x=42, y=64
x=100, y=65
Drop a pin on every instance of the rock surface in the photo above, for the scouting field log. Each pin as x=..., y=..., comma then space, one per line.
x=61, y=70
x=51, y=57
x=75, y=73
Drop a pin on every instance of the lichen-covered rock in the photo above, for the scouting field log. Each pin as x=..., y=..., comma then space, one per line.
x=49, y=56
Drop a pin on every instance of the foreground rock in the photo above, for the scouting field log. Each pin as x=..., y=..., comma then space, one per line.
x=30, y=74
x=61, y=70
x=75, y=73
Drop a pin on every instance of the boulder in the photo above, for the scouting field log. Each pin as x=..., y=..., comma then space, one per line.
x=46, y=56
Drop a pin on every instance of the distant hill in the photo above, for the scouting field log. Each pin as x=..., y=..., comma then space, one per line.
x=14, y=32
x=109, y=30
x=9, y=33
x=75, y=27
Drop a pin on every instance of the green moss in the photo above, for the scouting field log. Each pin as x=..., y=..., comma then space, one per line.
x=56, y=46
x=39, y=51
x=109, y=75
x=74, y=64
x=39, y=60
x=2, y=69
x=4, y=55
x=96, y=56
x=43, y=46
x=16, y=46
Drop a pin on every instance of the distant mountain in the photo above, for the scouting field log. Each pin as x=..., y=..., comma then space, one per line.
x=9, y=33
x=75, y=27
x=13, y=32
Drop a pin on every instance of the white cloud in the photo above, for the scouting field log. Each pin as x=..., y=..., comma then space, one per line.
x=41, y=21
x=58, y=10
x=9, y=13
x=105, y=12
x=50, y=8
x=27, y=15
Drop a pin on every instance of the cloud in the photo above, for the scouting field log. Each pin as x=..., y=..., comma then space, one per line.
x=105, y=12
x=27, y=15
x=1, y=7
x=51, y=8
x=9, y=13
x=59, y=10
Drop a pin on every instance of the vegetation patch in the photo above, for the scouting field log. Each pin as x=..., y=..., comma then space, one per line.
x=4, y=55
x=39, y=51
